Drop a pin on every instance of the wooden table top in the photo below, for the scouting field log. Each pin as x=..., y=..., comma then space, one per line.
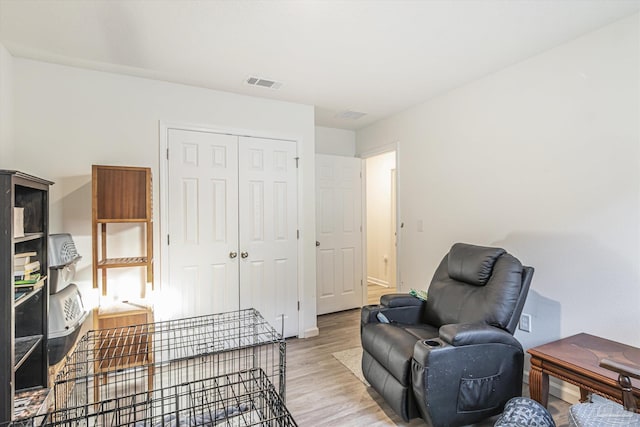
x=582, y=353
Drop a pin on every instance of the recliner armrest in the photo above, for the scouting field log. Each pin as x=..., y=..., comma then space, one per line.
x=368, y=314
x=475, y=366
x=400, y=300
x=461, y=334
x=397, y=308
x=407, y=315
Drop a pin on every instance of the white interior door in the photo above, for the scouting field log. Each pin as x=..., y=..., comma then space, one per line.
x=203, y=223
x=338, y=233
x=268, y=231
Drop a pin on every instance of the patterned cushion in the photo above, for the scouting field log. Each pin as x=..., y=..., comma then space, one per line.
x=604, y=414
x=524, y=412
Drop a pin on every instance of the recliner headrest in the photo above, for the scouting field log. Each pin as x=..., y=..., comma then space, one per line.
x=472, y=264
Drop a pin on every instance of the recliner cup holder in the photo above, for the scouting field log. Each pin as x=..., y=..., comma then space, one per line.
x=432, y=343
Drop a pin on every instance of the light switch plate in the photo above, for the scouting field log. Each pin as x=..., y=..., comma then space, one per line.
x=525, y=322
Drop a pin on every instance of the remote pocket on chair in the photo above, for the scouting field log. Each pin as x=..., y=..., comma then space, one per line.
x=478, y=394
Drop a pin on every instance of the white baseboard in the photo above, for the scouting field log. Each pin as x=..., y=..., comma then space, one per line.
x=311, y=332
x=560, y=389
x=379, y=282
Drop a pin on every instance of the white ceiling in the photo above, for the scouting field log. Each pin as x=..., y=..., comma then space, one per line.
x=378, y=57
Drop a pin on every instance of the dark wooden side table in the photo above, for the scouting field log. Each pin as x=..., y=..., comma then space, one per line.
x=576, y=360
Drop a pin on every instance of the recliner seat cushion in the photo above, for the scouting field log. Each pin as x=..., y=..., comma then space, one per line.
x=392, y=347
x=422, y=331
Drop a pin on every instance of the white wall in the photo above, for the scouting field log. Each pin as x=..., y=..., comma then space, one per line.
x=379, y=227
x=339, y=142
x=6, y=109
x=67, y=119
x=541, y=158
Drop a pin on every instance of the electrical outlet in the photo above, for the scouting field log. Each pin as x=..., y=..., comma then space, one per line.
x=525, y=322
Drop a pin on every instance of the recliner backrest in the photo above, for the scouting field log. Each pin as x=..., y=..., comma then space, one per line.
x=476, y=284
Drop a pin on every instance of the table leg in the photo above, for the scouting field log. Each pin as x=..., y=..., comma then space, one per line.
x=585, y=395
x=538, y=383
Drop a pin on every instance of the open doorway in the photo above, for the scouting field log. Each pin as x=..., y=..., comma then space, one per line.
x=381, y=225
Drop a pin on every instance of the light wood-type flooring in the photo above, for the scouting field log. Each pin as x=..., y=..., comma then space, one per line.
x=374, y=292
x=323, y=392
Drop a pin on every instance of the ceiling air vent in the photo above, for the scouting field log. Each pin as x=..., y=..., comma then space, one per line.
x=350, y=115
x=257, y=81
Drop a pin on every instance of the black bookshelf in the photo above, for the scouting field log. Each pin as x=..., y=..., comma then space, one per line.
x=23, y=310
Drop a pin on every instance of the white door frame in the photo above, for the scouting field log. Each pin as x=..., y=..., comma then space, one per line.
x=163, y=184
x=395, y=146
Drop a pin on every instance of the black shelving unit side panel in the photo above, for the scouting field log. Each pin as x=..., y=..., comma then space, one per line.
x=6, y=298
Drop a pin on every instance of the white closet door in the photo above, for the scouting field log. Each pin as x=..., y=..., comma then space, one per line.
x=339, y=233
x=268, y=230
x=203, y=223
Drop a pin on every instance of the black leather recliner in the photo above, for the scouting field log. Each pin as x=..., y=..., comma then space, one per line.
x=451, y=360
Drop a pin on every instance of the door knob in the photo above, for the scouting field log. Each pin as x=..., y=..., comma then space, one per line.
x=233, y=254
x=244, y=254
x=317, y=243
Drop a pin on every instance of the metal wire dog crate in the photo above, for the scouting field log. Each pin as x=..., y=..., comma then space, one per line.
x=245, y=398
x=223, y=369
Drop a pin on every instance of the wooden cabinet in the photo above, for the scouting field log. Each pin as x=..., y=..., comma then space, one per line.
x=24, y=226
x=121, y=194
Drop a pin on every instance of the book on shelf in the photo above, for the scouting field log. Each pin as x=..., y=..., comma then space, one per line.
x=27, y=270
x=23, y=254
x=32, y=279
x=21, y=293
x=18, y=222
x=19, y=263
x=23, y=258
x=28, y=283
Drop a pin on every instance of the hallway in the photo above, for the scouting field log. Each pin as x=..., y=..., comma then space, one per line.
x=374, y=292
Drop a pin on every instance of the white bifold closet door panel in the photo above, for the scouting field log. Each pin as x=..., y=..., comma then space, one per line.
x=203, y=222
x=233, y=226
x=268, y=230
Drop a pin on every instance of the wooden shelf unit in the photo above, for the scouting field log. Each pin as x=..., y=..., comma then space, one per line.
x=123, y=341
x=24, y=361
x=121, y=194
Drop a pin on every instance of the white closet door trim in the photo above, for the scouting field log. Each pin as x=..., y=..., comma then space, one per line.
x=162, y=191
